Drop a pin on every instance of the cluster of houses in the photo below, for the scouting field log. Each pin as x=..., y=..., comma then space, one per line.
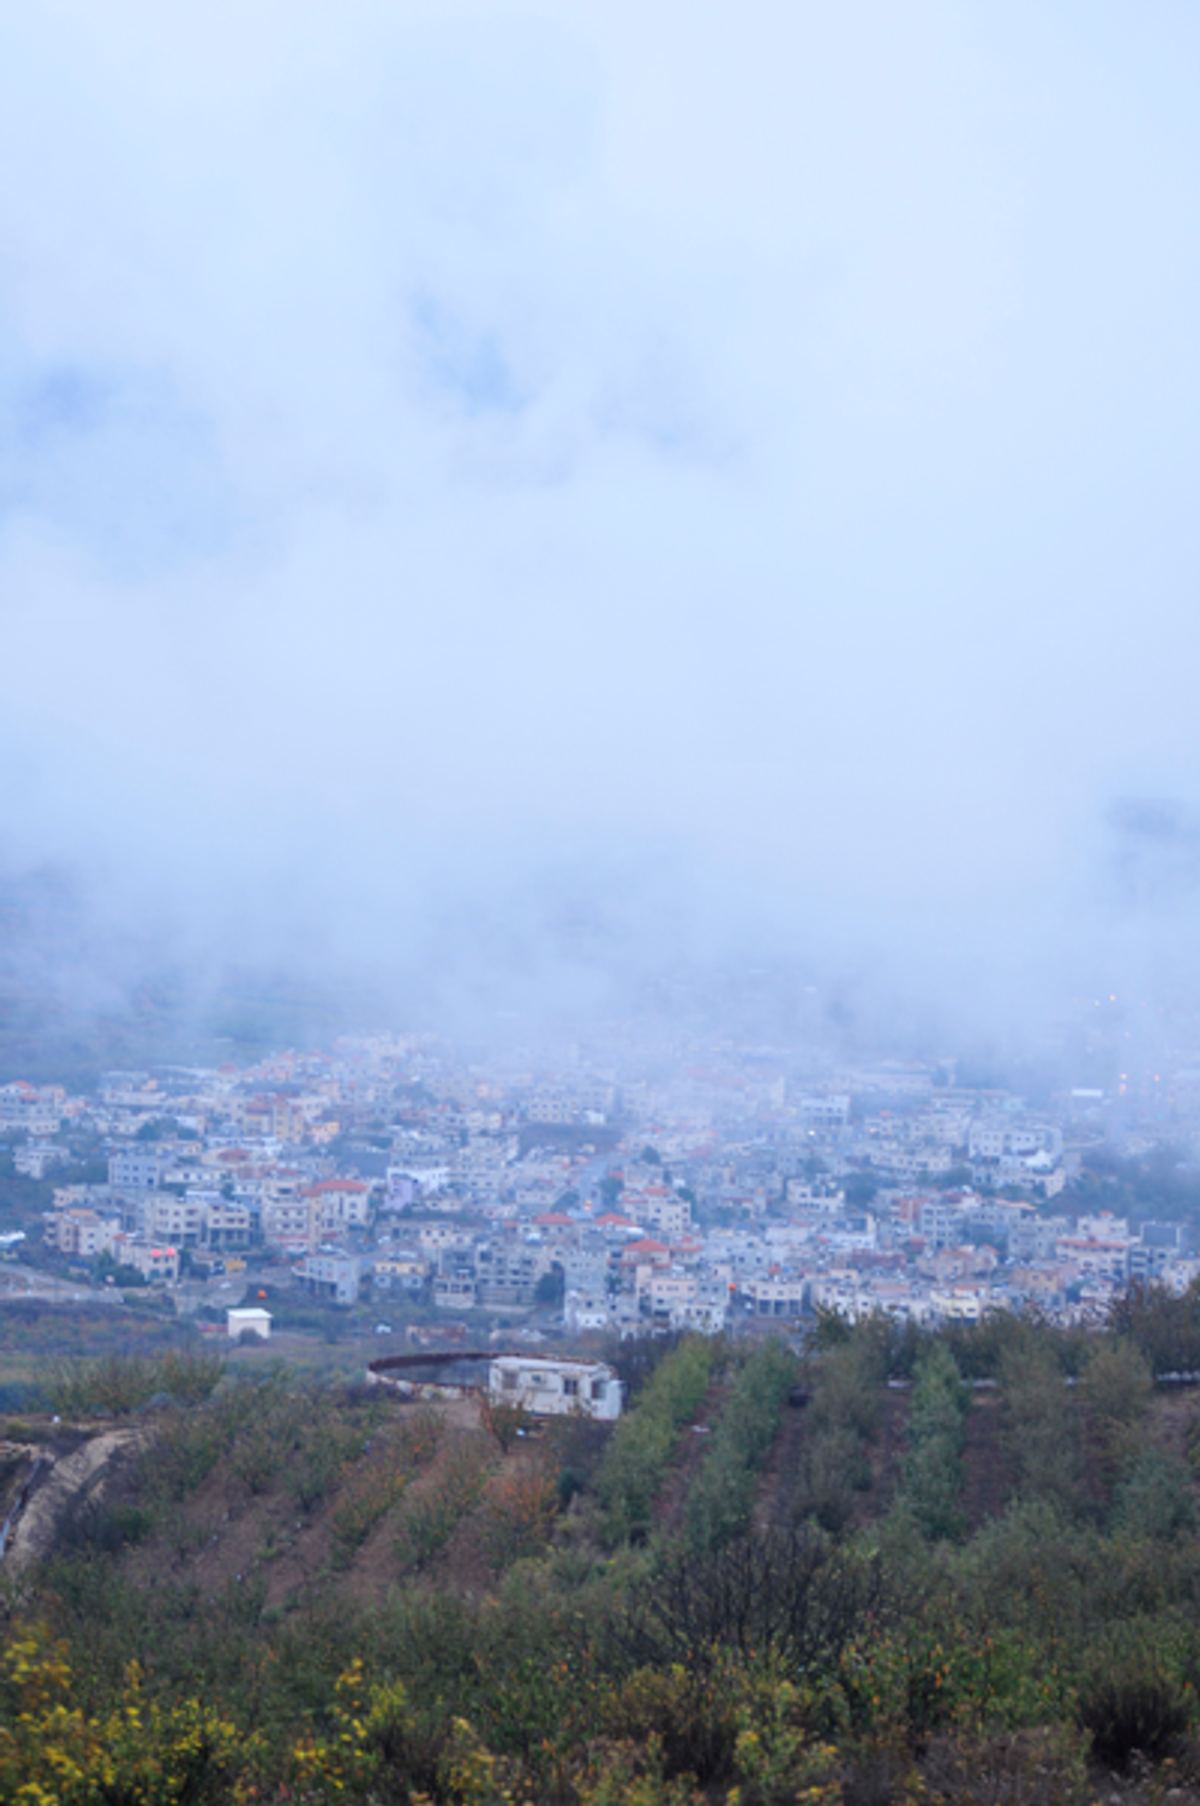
x=601, y=1195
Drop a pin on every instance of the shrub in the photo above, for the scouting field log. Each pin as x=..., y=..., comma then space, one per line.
x=791, y=1594
x=260, y=1451
x=636, y=1359
x=1116, y=1389
x=933, y=1467
x=1132, y=1707
x=431, y=1519
x=1040, y=1429
x=1032, y=1768
x=1155, y=1500
x=1164, y=1327
x=141, y=1749
x=846, y=1392
x=325, y=1448
x=518, y=1516
x=503, y=1419
x=843, y=1416
x=570, y=1482
x=380, y=1479
x=104, y=1528
x=834, y=1466
x=691, y=1715
x=186, y=1449
x=121, y=1383
x=919, y=1678
x=370, y=1497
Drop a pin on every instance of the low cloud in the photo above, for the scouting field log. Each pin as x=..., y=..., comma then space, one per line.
x=494, y=502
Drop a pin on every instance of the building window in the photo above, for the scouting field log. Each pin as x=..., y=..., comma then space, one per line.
x=571, y=1388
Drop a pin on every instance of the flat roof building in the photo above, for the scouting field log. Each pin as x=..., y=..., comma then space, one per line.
x=252, y=1318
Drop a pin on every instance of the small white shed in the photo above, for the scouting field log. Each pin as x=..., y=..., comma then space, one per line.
x=249, y=1318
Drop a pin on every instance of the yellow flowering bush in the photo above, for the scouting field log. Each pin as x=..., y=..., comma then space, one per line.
x=141, y=1753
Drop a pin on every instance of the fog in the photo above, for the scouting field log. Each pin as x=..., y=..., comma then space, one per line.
x=497, y=500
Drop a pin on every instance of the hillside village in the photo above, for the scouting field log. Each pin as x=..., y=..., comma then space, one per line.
x=717, y=1190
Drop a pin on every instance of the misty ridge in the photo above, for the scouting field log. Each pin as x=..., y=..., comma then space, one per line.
x=516, y=519
x=80, y=984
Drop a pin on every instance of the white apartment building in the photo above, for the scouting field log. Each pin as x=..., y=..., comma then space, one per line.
x=338, y=1204
x=138, y=1168
x=287, y=1222
x=993, y=1140
x=660, y=1211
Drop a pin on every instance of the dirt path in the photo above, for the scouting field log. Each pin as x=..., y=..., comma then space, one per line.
x=988, y=1480
x=64, y=1480
x=775, y=1503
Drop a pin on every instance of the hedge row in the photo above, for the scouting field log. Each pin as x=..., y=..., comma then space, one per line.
x=638, y=1456
x=720, y=1503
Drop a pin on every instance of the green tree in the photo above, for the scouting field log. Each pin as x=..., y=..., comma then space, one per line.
x=1040, y=1429
x=933, y=1467
x=641, y=1448
x=720, y=1501
x=611, y=1187
x=1164, y=1327
x=551, y=1289
x=843, y=1416
x=1155, y=1500
x=1116, y=1388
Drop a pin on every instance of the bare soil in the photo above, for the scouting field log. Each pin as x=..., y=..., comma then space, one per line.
x=989, y=1477
x=226, y=1535
x=775, y=1503
x=886, y=1452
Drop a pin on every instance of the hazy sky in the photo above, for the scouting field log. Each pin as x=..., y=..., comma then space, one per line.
x=508, y=486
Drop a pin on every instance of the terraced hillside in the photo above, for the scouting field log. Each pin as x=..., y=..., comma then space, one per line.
x=902, y=1566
